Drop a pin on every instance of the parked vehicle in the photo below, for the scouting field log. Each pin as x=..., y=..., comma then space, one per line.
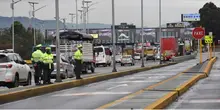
x=169, y=48
x=103, y=56
x=14, y=71
x=66, y=68
x=88, y=50
x=150, y=53
x=137, y=56
x=127, y=59
x=118, y=58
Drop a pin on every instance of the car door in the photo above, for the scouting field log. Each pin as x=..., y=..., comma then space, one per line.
x=23, y=72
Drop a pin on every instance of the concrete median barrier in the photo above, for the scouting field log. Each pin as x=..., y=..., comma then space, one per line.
x=184, y=58
x=31, y=92
x=163, y=102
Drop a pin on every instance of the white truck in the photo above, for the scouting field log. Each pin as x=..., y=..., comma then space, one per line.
x=87, y=42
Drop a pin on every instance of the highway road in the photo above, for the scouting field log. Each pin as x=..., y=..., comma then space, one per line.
x=204, y=95
x=99, y=70
x=98, y=94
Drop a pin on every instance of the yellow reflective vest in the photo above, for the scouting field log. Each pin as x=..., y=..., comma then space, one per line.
x=37, y=56
x=78, y=55
x=48, y=58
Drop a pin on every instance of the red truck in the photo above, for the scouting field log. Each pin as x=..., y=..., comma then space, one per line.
x=169, y=48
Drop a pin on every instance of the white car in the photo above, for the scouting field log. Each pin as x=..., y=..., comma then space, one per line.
x=137, y=56
x=127, y=59
x=66, y=68
x=118, y=58
x=14, y=71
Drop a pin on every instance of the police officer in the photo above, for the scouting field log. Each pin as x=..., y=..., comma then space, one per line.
x=37, y=61
x=78, y=61
x=48, y=65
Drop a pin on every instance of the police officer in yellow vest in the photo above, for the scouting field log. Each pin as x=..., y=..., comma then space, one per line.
x=48, y=65
x=78, y=61
x=37, y=61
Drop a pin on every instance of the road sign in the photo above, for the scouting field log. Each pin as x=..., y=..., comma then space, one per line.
x=208, y=39
x=198, y=33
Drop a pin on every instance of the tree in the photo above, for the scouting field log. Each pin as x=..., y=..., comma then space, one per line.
x=23, y=40
x=210, y=18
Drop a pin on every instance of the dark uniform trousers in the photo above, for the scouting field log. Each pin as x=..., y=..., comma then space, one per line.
x=38, y=71
x=47, y=73
x=78, y=68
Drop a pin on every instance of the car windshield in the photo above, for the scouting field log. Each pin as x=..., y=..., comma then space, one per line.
x=3, y=59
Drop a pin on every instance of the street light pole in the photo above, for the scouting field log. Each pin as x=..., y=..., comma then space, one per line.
x=58, y=79
x=33, y=14
x=142, y=32
x=113, y=32
x=13, y=24
x=160, y=31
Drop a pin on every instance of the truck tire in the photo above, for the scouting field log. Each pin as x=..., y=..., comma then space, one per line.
x=92, y=68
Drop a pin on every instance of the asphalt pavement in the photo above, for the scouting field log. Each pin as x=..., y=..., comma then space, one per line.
x=204, y=95
x=98, y=94
x=98, y=70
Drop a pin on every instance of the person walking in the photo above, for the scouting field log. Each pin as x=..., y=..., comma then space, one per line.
x=37, y=62
x=78, y=61
x=48, y=66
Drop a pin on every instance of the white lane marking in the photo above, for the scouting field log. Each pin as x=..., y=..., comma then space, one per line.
x=203, y=101
x=122, y=85
x=137, y=81
x=93, y=93
x=157, y=77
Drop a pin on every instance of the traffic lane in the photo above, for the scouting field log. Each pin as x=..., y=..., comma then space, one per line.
x=97, y=94
x=99, y=71
x=204, y=95
x=126, y=67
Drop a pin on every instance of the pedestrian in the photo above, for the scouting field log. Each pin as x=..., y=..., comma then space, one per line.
x=78, y=61
x=48, y=66
x=37, y=61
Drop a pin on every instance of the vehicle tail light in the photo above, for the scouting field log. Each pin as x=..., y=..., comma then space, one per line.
x=6, y=66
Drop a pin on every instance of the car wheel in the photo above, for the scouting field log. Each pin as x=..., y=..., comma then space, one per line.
x=15, y=83
x=122, y=64
x=105, y=65
x=29, y=79
x=92, y=68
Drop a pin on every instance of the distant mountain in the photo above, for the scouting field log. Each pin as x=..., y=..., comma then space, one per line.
x=5, y=22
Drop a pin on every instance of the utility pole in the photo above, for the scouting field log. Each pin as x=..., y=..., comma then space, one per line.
x=13, y=24
x=87, y=14
x=81, y=14
x=77, y=15
x=64, y=23
x=71, y=14
x=33, y=14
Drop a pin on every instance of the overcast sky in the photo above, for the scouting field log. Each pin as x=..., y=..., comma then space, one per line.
x=126, y=10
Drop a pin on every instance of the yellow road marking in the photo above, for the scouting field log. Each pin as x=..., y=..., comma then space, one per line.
x=140, y=91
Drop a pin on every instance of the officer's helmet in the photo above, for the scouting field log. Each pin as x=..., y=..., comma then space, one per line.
x=38, y=46
x=79, y=46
